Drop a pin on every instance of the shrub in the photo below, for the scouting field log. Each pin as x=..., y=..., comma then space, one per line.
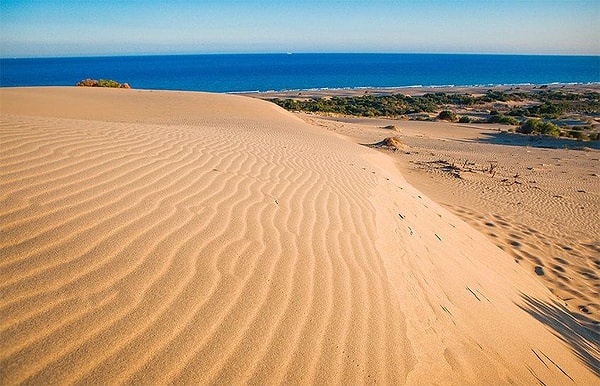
x=464, y=119
x=535, y=126
x=529, y=126
x=545, y=110
x=516, y=112
x=101, y=83
x=447, y=115
x=504, y=120
x=108, y=83
x=576, y=134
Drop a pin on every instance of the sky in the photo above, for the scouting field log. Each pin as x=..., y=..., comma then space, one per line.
x=38, y=28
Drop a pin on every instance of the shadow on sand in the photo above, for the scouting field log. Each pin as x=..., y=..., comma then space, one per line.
x=514, y=139
x=581, y=333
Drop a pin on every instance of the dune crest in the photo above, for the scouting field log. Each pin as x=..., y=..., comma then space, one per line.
x=170, y=237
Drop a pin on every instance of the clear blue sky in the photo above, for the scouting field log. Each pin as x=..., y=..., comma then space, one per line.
x=97, y=27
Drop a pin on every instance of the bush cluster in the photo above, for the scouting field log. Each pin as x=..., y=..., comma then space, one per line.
x=551, y=105
x=448, y=115
x=503, y=119
x=539, y=127
x=536, y=126
x=547, y=105
x=108, y=83
x=101, y=83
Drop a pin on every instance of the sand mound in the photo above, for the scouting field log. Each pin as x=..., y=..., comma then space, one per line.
x=162, y=237
x=389, y=143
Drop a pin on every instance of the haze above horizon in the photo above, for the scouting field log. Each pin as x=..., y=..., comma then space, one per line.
x=31, y=28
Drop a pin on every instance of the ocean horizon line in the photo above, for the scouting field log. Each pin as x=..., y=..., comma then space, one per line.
x=136, y=55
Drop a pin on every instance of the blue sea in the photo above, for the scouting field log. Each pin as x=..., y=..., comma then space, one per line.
x=275, y=72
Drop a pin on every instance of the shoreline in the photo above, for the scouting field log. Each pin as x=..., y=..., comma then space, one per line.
x=416, y=90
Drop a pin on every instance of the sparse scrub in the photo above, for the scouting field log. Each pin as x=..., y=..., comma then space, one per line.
x=504, y=120
x=447, y=115
x=541, y=103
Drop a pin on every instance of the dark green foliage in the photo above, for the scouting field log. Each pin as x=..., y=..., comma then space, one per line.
x=581, y=132
x=545, y=110
x=576, y=134
x=554, y=102
x=366, y=105
x=371, y=105
x=504, y=120
x=514, y=112
x=550, y=104
x=448, y=115
x=546, y=104
x=108, y=83
x=288, y=104
x=492, y=96
x=536, y=126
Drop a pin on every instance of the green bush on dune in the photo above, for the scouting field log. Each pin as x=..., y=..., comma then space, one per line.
x=108, y=83
x=101, y=83
x=503, y=120
x=536, y=126
x=447, y=115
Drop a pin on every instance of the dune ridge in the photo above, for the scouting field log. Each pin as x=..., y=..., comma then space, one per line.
x=171, y=237
x=536, y=201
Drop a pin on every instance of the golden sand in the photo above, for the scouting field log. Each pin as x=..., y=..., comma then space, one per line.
x=170, y=237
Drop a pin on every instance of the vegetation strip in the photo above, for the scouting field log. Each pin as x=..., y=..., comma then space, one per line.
x=539, y=112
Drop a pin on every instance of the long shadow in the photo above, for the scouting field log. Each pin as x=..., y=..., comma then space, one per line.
x=581, y=333
x=514, y=139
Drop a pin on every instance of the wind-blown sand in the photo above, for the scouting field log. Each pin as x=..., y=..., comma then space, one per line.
x=538, y=199
x=171, y=237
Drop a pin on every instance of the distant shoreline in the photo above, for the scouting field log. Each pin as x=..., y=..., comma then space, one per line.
x=417, y=90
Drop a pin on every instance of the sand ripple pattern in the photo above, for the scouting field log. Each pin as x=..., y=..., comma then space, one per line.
x=191, y=254
x=214, y=239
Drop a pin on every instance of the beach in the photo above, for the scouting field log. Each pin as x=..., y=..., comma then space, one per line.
x=420, y=90
x=155, y=237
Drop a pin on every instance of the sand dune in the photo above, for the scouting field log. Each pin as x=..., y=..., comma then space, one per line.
x=171, y=237
x=539, y=204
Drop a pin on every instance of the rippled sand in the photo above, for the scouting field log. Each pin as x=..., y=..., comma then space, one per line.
x=168, y=237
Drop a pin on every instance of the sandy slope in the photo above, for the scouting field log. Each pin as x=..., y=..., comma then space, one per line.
x=154, y=237
x=537, y=199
